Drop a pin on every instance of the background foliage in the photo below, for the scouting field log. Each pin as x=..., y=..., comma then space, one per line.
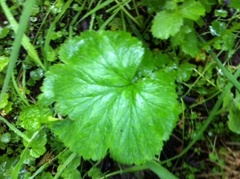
x=196, y=41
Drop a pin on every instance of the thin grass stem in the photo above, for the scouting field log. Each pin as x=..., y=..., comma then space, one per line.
x=17, y=41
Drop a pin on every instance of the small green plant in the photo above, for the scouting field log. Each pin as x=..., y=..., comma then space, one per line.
x=176, y=21
x=113, y=102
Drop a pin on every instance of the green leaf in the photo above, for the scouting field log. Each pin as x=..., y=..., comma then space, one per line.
x=166, y=24
x=218, y=28
x=184, y=72
x=234, y=122
x=4, y=101
x=171, y=5
x=187, y=40
x=6, y=166
x=208, y=4
x=235, y=4
x=95, y=173
x=32, y=117
x=45, y=175
x=221, y=13
x=3, y=62
x=37, y=144
x=5, y=138
x=4, y=32
x=37, y=74
x=69, y=168
x=192, y=10
x=234, y=112
x=147, y=65
x=228, y=40
x=51, y=54
x=225, y=42
x=191, y=44
x=162, y=60
x=153, y=5
x=110, y=107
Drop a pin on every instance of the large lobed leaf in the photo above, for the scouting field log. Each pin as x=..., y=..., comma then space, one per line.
x=110, y=108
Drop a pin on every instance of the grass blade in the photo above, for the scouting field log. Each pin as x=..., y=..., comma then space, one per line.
x=25, y=40
x=17, y=41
